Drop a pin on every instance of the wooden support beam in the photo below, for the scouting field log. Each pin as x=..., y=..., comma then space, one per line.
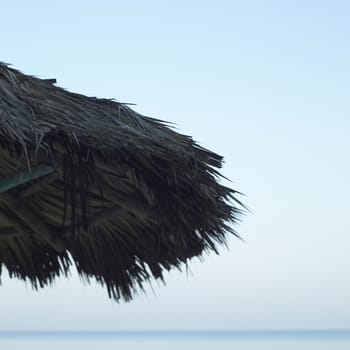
x=29, y=218
x=24, y=176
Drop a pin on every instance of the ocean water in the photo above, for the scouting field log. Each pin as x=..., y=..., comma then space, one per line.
x=202, y=340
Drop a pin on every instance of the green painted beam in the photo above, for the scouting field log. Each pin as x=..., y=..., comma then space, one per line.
x=24, y=176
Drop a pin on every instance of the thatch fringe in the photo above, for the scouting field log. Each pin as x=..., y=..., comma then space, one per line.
x=129, y=196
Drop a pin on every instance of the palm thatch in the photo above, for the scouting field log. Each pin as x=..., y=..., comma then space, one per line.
x=91, y=181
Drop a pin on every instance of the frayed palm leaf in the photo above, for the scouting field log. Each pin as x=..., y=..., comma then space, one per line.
x=90, y=180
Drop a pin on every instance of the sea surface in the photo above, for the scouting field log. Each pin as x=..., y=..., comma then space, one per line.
x=184, y=340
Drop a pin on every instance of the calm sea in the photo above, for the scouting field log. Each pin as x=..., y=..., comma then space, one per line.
x=202, y=340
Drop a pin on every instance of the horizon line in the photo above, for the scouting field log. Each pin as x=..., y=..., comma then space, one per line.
x=267, y=330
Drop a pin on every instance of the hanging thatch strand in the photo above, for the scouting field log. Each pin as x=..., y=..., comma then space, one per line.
x=91, y=181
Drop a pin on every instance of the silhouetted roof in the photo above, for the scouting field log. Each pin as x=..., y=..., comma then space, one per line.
x=90, y=181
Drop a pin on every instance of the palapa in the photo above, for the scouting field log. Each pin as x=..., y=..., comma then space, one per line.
x=91, y=181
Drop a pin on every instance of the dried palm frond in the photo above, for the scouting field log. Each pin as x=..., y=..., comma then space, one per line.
x=91, y=181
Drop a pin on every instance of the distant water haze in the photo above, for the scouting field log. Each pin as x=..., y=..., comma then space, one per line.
x=337, y=340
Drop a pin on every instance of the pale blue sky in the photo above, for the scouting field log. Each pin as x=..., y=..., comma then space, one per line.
x=264, y=83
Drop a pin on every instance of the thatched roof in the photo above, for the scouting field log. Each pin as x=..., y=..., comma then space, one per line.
x=91, y=181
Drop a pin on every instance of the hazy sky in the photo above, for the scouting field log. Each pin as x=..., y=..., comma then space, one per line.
x=264, y=83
